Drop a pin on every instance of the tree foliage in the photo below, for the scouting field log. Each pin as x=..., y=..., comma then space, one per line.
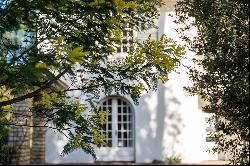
x=5, y=114
x=45, y=41
x=222, y=73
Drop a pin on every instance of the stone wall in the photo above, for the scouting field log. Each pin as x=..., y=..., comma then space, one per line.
x=19, y=135
x=28, y=142
x=38, y=140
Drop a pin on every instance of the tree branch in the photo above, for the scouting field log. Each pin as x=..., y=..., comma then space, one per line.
x=32, y=94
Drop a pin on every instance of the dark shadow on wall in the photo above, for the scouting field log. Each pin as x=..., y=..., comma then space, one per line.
x=162, y=125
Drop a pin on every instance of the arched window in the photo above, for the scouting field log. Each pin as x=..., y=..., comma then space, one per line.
x=119, y=128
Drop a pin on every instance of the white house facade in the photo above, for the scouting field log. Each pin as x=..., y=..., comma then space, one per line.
x=166, y=123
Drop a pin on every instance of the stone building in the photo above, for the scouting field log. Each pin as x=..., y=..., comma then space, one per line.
x=27, y=134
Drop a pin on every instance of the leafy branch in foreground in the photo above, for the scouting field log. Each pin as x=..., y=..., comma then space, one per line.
x=43, y=42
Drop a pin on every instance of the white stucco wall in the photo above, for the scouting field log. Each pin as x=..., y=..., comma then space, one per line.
x=167, y=122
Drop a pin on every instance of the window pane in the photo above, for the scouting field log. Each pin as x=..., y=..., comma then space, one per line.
x=119, y=118
x=110, y=118
x=118, y=49
x=125, y=49
x=125, y=143
x=110, y=101
x=119, y=135
x=104, y=127
x=109, y=143
x=119, y=101
x=124, y=118
x=124, y=109
x=109, y=126
x=110, y=110
x=119, y=126
x=125, y=126
x=129, y=110
x=109, y=134
x=125, y=135
x=119, y=109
